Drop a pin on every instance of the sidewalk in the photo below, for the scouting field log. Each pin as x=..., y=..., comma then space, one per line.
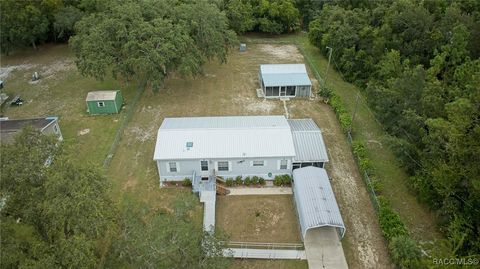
x=260, y=191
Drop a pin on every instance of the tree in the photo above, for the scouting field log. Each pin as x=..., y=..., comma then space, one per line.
x=405, y=252
x=65, y=20
x=180, y=243
x=143, y=40
x=240, y=15
x=53, y=215
x=23, y=23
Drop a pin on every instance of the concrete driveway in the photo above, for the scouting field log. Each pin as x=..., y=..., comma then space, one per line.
x=324, y=250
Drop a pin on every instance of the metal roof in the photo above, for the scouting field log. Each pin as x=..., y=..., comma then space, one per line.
x=284, y=75
x=9, y=128
x=308, y=141
x=224, y=137
x=101, y=95
x=315, y=201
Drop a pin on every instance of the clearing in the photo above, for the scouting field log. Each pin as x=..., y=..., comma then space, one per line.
x=227, y=89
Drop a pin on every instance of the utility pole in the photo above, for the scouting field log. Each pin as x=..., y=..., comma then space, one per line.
x=328, y=66
x=354, y=112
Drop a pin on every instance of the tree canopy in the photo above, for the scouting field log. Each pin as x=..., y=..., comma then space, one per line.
x=61, y=216
x=147, y=40
x=53, y=215
x=268, y=16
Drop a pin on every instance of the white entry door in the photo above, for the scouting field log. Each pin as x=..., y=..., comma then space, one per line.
x=283, y=91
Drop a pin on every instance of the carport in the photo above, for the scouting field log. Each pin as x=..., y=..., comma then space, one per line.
x=321, y=224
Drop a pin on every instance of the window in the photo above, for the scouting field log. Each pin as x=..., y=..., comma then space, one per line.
x=283, y=164
x=223, y=166
x=204, y=165
x=100, y=104
x=172, y=166
x=257, y=163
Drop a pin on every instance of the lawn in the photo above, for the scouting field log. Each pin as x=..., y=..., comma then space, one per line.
x=61, y=92
x=252, y=218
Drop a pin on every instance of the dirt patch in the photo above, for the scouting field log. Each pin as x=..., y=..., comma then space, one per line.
x=5, y=71
x=50, y=70
x=264, y=106
x=285, y=52
x=83, y=132
x=143, y=134
x=129, y=184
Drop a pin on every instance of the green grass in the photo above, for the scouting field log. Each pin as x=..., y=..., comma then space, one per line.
x=419, y=219
x=61, y=92
x=255, y=218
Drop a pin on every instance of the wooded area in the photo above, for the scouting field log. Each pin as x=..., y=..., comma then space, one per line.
x=418, y=63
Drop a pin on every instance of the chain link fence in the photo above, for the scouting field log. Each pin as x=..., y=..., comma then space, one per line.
x=125, y=120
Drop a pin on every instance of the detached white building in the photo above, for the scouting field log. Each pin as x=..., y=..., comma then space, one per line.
x=264, y=146
x=284, y=80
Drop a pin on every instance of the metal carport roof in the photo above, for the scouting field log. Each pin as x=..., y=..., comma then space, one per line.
x=314, y=199
x=308, y=141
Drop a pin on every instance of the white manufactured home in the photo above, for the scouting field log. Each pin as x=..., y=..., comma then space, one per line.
x=284, y=80
x=264, y=146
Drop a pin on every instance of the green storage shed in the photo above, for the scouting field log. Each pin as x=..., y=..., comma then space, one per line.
x=104, y=102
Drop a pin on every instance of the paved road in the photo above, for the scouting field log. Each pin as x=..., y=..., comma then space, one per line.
x=324, y=250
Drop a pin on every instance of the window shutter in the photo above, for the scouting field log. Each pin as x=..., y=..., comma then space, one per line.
x=178, y=166
x=251, y=163
x=278, y=164
x=229, y=166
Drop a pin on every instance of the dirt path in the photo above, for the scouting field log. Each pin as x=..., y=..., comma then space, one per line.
x=363, y=244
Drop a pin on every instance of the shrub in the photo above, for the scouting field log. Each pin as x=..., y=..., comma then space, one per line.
x=405, y=252
x=238, y=180
x=325, y=92
x=390, y=222
x=261, y=181
x=229, y=182
x=277, y=181
x=254, y=180
x=187, y=182
x=286, y=180
x=247, y=181
x=376, y=185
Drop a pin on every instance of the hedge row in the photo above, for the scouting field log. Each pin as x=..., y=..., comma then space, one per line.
x=404, y=251
x=282, y=180
x=338, y=106
x=238, y=181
